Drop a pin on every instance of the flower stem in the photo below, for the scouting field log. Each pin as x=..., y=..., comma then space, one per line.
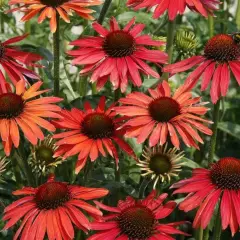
x=16, y=171
x=117, y=173
x=27, y=27
x=213, y=141
x=218, y=227
x=170, y=41
x=1, y=22
x=104, y=10
x=238, y=14
x=82, y=86
x=56, y=54
x=117, y=96
x=80, y=235
x=27, y=170
x=94, y=88
x=206, y=234
x=211, y=26
x=143, y=187
x=199, y=234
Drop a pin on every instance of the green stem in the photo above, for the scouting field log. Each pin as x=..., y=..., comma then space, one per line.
x=199, y=234
x=218, y=227
x=26, y=168
x=238, y=14
x=82, y=86
x=79, y=235
x=117, y=96
x=143, y=187
x=213, y=141
x=27, y=27
x=225, y=16
x=206, y=234
x=161, y=26
x=94, y=88
x=87, y=171
x=56, y=53
x=170, y=41
x=104, y=10
x=221, y=8
x=182, y=237
x=117, y=173
x=16, y=171
x=211, y=26
x=214, y=127
x=1, y=22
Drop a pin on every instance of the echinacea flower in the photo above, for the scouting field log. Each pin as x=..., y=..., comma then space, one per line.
x=23, y=110
x=204, y=7
x=161, y=115
x=161, y=163
x=221, y=57
x=137, y=219
x=90, y=133
x=3, y=164
x=207, y=187
x=54, y=8
x=51, y=209
x=117, y=54
x=12, y=60
x=41, y=158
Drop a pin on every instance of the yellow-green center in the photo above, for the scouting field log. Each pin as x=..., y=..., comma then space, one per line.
x=160, y=164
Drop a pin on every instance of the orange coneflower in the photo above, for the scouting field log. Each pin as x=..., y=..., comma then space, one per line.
x=51, y=209
x=11, y=60
x=17, y=110
x=160, y=115
x=52, y=8
x=90, y=133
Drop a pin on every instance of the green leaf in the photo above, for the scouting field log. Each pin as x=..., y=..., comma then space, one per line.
x=230, y=128
x=190, y=163
x=68, y=83
x=140, y=17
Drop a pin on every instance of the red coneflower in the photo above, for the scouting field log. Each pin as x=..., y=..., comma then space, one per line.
x=11, y=60
x=160, y=115
x=221, y=57
x=204, y=7
x=118, y=54
x=52, y=8
x=17, y=110
x=51, y=209
x=206, y=187
x=91, y=132
x=136, y=219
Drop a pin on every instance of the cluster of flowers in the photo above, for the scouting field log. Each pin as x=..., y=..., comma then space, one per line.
x=119, y=55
